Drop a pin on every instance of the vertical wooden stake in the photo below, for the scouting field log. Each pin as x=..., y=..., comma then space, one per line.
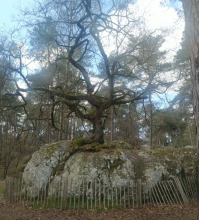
x=70, y=192
x=108, y=193
x=133, y=193
x=75, y=188
x=10, y=189
x=64, y=194
x=45, y=188
x=18, y=182
x=150, y=193
x=124, y=196
x=128, y=196
x=139, y=193
x=92, y=194
x=99, y=193
x=143, y=190
x=21, y=188
x=51, y=200
x=104, y=194
x=59, y=194
x=42, y=190
x=34, y=197
x=95, y=194
x=83, y=196
x=87, y=182
x=116, y=195
x=79, y=193
x=112, y=195
x=38, y=193
x=120, y=196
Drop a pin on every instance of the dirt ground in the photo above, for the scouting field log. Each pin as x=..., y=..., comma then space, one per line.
x=14, y=212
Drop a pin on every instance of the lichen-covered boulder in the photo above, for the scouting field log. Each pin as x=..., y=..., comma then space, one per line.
x=175, y=160
x=114, y=166
x=119, y=166
x=38, y=171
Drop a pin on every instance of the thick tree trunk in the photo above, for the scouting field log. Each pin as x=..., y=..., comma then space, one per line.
x=98, y=132
x=66, y=129
x=190, y=134
x=1, y=143
x=61, y=118
x=151, y=121
x=111, y=125
x=98, y=135
x=191, y=8
x=191, y=12
x=98, y=129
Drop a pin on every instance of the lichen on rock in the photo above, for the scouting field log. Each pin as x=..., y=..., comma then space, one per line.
x=114, y=164
x=38, y=170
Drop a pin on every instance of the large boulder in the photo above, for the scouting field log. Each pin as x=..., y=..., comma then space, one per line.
x=38, y=171
x=115, y=166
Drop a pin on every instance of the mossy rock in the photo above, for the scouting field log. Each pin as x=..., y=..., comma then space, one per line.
x=118, y=145
x=113, y=167
x=79, y=142
x=94, y=147
x=51, y=149
x=79, y=145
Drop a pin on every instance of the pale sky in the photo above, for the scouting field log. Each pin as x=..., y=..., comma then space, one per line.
x=155, y=15
x=154, y=12
x=9, y=8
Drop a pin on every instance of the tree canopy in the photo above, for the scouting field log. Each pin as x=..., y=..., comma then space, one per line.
x=95, y=56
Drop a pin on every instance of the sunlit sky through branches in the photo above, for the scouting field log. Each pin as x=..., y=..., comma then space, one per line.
x=156, y=13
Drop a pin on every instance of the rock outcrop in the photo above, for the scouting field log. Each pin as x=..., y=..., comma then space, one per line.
x=113, y=165
x=38, y=171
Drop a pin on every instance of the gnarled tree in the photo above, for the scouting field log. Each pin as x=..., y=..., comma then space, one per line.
x=87, y=31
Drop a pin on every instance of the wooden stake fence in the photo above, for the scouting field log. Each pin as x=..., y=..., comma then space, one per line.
x=98, y=194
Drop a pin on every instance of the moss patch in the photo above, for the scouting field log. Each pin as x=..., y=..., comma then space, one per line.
x=94, y=147
x=79, y=142
x=99, y=99
x=50, y=150
x=58, y=170
x=114, y=165
x=159, y=153
x=80, y=145
x=93, y=113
